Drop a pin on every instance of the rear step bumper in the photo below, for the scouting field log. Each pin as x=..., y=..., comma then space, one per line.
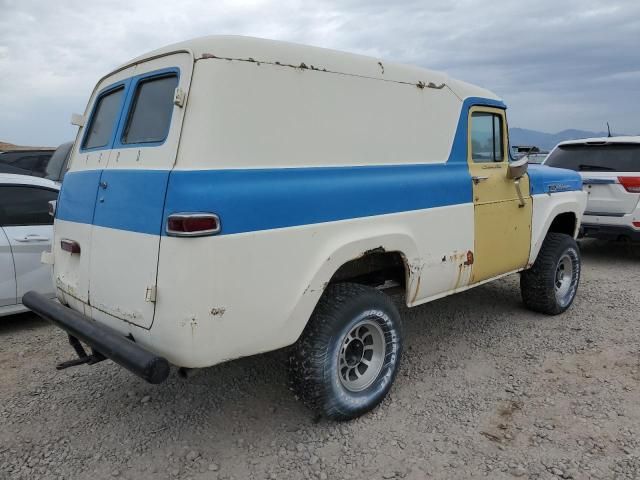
x=100, y=338
x=609, y=232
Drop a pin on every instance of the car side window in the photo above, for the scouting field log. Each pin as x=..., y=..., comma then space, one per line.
x=25, y=205
x=486, y=137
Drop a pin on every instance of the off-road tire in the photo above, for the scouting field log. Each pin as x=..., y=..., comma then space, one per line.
x=539, y=284
x=317, y=360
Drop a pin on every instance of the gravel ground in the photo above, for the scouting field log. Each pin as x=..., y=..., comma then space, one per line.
x=486, y=389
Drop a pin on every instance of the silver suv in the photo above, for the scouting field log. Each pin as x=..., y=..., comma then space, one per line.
x=610, y=170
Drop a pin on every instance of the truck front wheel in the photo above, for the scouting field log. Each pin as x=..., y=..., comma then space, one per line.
x=551, y=284
x=344, y=363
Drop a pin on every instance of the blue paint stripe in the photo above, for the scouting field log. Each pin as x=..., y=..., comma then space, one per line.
x=133, y=200
x=252, y=200
x=77, y=197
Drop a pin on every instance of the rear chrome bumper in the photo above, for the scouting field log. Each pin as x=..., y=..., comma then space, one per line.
x=609, y=232
x=102, y=339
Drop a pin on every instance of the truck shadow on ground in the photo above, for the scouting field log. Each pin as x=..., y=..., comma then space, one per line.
x=21, y=321
x=601, y=250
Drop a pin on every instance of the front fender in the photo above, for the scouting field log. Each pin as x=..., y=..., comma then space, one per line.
x=546, y=207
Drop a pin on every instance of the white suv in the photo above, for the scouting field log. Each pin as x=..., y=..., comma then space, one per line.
x=610, y=170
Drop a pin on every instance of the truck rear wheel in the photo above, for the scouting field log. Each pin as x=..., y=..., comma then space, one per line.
x=344, y=363
x=551, y=284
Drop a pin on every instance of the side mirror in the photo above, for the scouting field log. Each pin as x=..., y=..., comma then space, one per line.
x=77, y=119
x=518, y=168
x=52, y=207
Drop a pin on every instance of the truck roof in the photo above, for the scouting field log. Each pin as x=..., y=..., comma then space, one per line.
x=320, y=59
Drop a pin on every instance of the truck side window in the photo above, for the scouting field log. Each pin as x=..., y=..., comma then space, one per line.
x=103, y=120
x=150, y=114
x=486, y=137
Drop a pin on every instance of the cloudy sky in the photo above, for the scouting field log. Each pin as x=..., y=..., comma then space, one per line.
x=557, y=63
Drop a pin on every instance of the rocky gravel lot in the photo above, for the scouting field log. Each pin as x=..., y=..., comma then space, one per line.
x=487, y=389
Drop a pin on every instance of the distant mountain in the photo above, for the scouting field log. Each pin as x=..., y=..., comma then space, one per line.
x=4, y=146
x=546, y=141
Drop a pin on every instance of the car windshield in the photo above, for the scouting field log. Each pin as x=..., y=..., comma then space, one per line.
x=606, y=157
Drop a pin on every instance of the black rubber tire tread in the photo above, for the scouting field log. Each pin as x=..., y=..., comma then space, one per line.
x=309, y=357
x=537, y=283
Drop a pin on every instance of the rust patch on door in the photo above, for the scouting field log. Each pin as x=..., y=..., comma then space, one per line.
x=470, y=259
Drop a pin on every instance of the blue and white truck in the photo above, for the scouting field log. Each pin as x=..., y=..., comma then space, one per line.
x=229, y=196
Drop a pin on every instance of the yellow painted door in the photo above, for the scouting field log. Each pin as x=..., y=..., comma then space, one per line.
x=502, y=222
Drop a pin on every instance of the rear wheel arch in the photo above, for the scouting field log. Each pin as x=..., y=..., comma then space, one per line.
x=348, y=263
x=375, y=268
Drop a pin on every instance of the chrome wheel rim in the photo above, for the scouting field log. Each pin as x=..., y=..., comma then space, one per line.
x=361, y=355
x=564, y=279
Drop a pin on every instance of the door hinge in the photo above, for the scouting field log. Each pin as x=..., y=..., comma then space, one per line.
x=150, y=294
x=179, y=97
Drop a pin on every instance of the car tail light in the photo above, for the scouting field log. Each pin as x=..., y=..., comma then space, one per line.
x=70, y=246
x=630, y=184
x=636, y=224
x=193, y=224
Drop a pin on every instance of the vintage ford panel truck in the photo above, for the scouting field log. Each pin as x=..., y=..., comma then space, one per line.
x=229, y=196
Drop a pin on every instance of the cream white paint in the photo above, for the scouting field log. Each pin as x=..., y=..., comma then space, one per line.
x=350, y=121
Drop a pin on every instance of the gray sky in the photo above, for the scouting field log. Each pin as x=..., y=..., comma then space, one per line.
x=557, y=63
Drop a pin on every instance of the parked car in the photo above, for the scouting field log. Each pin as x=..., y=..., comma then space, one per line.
x=25, y=232
x=59, y=162
x=25, y=162
x=610, y=170
x=228, y=196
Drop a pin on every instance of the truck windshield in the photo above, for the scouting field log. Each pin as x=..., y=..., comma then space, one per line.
x=610, y=157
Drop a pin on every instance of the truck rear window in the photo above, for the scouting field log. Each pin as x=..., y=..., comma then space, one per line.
x=150, y=114
x=620, y=157
x=103, y=120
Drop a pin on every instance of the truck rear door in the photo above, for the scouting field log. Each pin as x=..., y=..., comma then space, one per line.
x=125, y=185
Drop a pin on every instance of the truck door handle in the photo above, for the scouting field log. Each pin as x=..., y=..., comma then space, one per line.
x=477, y=180
x=32, y=238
